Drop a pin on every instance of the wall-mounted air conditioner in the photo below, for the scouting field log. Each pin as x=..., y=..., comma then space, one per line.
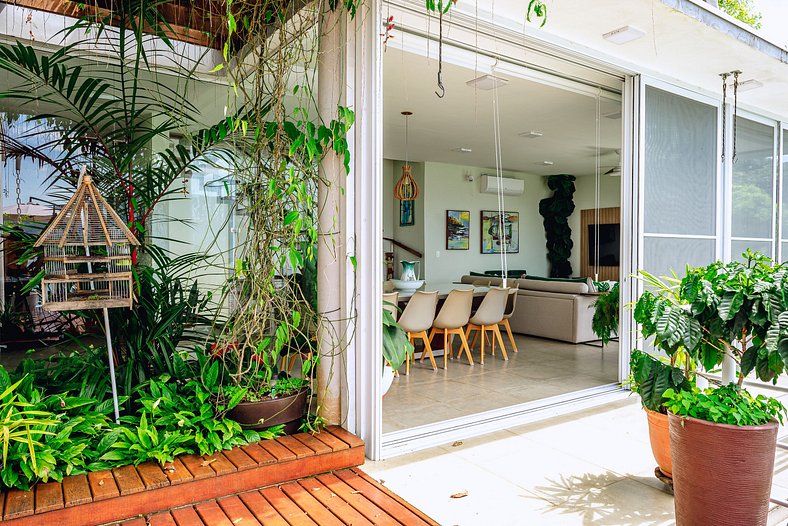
x=509, y=186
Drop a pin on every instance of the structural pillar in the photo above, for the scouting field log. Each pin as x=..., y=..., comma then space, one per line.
x=331, y=249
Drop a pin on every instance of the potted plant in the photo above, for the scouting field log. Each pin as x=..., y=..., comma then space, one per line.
x=723, y=439
x=396, y=349
x=605, y=320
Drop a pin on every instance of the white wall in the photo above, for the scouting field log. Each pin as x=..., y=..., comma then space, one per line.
x=609, y=196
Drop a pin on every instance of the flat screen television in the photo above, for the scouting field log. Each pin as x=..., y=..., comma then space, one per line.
x=609, y=245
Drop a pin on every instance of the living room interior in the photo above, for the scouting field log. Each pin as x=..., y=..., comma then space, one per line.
x=548, y=125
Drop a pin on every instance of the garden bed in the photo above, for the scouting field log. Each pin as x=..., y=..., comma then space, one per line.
x=130, y=491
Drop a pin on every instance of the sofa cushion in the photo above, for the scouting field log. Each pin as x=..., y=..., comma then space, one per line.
x=565, y=287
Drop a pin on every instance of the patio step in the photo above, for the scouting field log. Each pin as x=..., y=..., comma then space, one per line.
x=347, y=496
x=110, y=496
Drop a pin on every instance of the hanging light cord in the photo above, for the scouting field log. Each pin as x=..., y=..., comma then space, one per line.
x=597, y=185
x=440, y=57
x=499, y=176
x=406, y=140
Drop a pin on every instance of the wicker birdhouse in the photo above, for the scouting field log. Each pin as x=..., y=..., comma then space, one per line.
x=87, y=255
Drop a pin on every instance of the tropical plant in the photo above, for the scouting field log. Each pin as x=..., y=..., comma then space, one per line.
x=605, y=320
x=651, y=378
x=396, y=346
x=556, y=211
x=727, y=404
x=743, y=10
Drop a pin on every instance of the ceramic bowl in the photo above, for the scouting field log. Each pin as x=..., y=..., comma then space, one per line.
x=407, y=285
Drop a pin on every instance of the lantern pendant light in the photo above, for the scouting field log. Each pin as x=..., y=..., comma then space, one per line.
x=406, y=188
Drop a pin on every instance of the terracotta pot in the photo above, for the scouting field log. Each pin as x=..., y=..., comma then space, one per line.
x=659, y=436
x=722, y=474
x=286, y=410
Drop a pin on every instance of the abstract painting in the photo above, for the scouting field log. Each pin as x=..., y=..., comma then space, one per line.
x=500, y=232
x=458, y=229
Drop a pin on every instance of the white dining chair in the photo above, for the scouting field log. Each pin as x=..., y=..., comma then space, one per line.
x=416, y=320
x=451, y=320
x=486, y=319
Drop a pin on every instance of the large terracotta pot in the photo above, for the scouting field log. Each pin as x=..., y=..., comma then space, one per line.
x=659, y=436
x=287, y=410
x=722, y=474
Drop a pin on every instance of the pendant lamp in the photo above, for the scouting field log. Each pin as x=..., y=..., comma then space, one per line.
x=406, y=188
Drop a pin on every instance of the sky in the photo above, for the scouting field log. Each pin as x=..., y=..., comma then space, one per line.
x=775, y=19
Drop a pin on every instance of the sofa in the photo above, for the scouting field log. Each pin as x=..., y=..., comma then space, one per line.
x=550, y=308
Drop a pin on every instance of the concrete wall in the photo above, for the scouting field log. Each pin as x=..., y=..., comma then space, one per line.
x=609, y=196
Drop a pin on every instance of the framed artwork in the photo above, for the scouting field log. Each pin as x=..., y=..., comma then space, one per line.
x=458, y=229
x=493, y=239
x=407, y=213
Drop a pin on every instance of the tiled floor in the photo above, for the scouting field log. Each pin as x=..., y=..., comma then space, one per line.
x=593, y=468
x=540, y=369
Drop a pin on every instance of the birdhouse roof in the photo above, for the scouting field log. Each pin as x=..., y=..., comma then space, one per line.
x=87, y=220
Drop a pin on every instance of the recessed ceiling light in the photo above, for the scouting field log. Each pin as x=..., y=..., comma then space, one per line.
x=751, y=84
x=531, y=134
x=462, y=150
x=622, y=35
x=487, y=82
x=547, y=163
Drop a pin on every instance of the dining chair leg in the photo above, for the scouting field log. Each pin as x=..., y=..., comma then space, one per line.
x=428, y=350
x=429, y=338
x=498, y=336
x=407, y=360
x=476, y=337
x=465, y=346
x=445, y=349
x=481, y=331
x=508, y=328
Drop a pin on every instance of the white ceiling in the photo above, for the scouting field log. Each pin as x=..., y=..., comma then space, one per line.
x=464, y=119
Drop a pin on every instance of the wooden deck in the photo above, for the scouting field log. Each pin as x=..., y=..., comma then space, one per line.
x=344, y=497
x=110, y=496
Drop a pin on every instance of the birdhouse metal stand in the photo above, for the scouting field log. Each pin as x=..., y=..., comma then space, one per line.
x=87, y=260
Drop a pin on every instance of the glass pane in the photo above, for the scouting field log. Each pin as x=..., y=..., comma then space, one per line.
x=662, y=255
x=680, y=165
x=785, y=252
x=753, y=180
x=739, y=247
x=785, y=192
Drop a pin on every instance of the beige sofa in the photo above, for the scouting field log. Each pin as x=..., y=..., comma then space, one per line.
x=557, y=310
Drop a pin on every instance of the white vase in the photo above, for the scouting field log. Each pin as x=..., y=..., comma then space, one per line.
x=388, y=379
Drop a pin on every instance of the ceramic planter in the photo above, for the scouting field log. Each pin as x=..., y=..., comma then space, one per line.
x=722, y=474
x=387, y=380
x=659, y=436
x=287, y=410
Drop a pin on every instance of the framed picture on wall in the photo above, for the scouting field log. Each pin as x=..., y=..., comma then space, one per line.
x=500, y=232
x=407, y=213
x=458, y=229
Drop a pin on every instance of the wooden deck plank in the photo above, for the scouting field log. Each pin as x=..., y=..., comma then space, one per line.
x=177, y=473
x=134, y=522
x=262, y=509
x=331, y=441
x=364, y=476
x=220, y=464
x=49, y=496
x=186, y=517
x=300, y=450
x=128, y=480
x=211, y=514
x=280, y=452
x=76, y=490
x=152, y=475
x=287, y=508
x=237, y=511
x=18, y=503
x=240, y=460
x=347, y=513
x=345, y=436
x=382, y=498
x=162, y=519
x=309, y=504
x=102, y=485
x=361, y=503
x=197, y=466
x=320, y=448
x=258, y=454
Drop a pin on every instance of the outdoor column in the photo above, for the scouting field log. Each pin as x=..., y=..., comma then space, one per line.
x=331, y=247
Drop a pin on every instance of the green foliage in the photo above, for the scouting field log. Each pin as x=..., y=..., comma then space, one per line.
x=743, y=10
x=605, y=320
x=556, y=211
x=396, y=346
x=728, y=404
x=651, y=379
